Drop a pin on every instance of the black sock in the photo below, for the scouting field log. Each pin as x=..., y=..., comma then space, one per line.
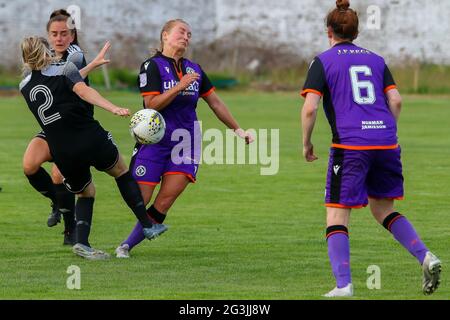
x=84, y=209
x=131, y=193
x=42, y=182
x=66, y=204
x=156, y=215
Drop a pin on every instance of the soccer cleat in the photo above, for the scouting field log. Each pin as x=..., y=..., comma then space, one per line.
x=123, y=251
x=55, y=217
x=154, y=231
x=70, y=238
x=89, y=253
x=340, y=292
x=431, y=273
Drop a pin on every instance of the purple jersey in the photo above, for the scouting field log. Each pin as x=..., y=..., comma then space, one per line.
x=158, y=75
x=353, y=82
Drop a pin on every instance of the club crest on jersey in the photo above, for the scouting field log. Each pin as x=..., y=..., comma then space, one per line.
x=140, y=171
x=167, y=69
x=190, y=70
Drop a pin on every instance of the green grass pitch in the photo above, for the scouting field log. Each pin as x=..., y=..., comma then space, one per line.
x=234, y=234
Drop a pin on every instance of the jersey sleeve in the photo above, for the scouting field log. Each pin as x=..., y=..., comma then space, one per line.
x=76, y=56
x=71, y=75
x=388, y=81
x=206, y=87
x=149, y=80
x=315, y=80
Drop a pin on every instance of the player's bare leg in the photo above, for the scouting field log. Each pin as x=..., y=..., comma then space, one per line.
x=403, y=232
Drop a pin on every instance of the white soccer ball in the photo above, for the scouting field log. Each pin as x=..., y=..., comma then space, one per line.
x=147, y=126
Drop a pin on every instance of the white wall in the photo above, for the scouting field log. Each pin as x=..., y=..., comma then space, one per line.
x=409, y=29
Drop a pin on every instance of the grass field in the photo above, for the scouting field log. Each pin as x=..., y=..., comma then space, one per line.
x=234, y=234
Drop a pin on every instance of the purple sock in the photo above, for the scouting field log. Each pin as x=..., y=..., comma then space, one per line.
x=339, y=253
x=404, y=232
x=136, y=236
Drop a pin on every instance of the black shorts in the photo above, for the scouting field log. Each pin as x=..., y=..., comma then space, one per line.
x=41, y=135
x=103, y=155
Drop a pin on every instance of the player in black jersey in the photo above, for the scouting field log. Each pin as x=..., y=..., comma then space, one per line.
x=55, y=93
x=64, y=41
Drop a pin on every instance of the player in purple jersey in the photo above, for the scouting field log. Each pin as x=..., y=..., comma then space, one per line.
x=172, y=85
x=362, y=105
x=54, y=93
x=64, y=42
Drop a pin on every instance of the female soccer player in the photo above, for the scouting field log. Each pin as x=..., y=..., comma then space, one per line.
x=362, y=105
x=172, y=85
x=64, y=42
x=55, y=93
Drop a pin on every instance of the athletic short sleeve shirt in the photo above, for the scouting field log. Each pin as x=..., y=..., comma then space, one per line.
x=160, y=74
x=353, y=82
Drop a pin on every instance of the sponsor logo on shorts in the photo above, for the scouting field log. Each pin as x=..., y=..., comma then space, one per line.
x=140, y=171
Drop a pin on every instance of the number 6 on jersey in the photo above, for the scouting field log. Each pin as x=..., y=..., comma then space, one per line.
x=358, y=85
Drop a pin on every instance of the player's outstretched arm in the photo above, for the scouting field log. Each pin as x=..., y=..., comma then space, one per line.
x=309, y=115
x=223, y=114
x=93, y=97
x=97, y=62
x=395, y=102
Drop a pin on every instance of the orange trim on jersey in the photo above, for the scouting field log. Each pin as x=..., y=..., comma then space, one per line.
x=189, y=176
x=148, y=183
x=180, y=74
x=343, y=146
x=337, y=205
x=152, y=93
x=304, y=92
x=334, y=232
x=390, y=88
x=208, y=93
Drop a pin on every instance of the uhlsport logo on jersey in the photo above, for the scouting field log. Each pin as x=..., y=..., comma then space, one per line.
x=191, y=90
x=190, y=70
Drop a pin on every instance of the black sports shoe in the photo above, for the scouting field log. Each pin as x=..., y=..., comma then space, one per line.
x=55, y=217
x=70, y=238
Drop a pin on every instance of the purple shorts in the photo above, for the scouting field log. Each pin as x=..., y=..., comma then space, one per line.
x=150, y=165
x=355, y=175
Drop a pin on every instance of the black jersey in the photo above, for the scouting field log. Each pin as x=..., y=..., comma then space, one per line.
x=75, y=55
x=69, y=126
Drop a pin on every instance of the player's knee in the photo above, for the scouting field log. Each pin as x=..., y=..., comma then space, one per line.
x=88, y=192
x=30, y=167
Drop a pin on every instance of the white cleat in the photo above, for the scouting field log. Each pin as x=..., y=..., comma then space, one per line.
x=431, y=273
x=123, y=251
x=340, y=292
x=89, y=253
